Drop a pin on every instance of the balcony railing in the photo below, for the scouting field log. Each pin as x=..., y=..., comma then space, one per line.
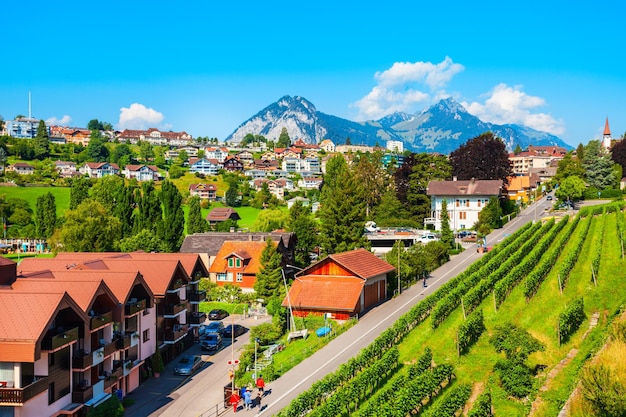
x=135, y=307
x=197, y=317
x=110, y=348
x=82, y=394
x=124, y=341
x=56, y=339
x=196, y=296
x=174, y=335
x=19, y=396
x=175, y=286
x=101, y=320
x=82, y=360
x=172, y=310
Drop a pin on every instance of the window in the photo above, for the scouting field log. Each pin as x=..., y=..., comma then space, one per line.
x=239, y=277
x=221, y=276
x=230, y=262
x=479, y=202
x=462, y=215
x=466, y=203
x=238, y=263
x=146, y=335
x=458, y=203
x=229, y=276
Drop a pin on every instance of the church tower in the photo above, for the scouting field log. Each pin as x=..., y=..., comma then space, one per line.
x=606, y=136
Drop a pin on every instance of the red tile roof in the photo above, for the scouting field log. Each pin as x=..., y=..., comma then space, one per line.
x=242, y=249
x=360, y=262
x=325, y=293
x=464, y=187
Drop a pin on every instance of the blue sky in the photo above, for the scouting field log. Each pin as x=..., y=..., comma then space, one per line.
x=205, y=68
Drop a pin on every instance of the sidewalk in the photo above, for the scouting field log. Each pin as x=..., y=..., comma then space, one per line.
x=201, y=394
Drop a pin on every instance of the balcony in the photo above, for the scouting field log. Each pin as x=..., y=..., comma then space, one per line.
x=123, y=342
x=196, y=318
x=171, y=336
x=101, y=320
x=82, y=360
x=114, y=377
x=135, y=307
x=175, y=286
x=82, y=394
x=196, y=296
x=19, y=396
x=110, y=348
x=56, y=339
x=171, y=311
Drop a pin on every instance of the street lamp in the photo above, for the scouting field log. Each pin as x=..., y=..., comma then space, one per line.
x=256, y=341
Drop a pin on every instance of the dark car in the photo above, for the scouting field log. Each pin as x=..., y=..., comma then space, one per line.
x=211, y=341
x=212, y=327
x=549, y=198
x=187, y=365
x=234, y=330
x=218, y=314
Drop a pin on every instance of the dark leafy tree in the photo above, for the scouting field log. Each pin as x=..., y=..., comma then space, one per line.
x=342, y=214
x=518, y=149
x=176, y=171
x=79, y=191
x=24, y=150
x=268, y=279
x=96, y=149
x=45, y=215
x=89, y=228
x=484, y=158
x=490, y=217
x=42, y=143
x=348, y=141
x=106, y=190
x=371, y=174
x=263, y=197
x=569, y=166
x=146, y=152
x=580, y=152
x=304, y=227
x=226, y=225
x=173, y=224
x=122, y=155
x=390, y=212
x=145, y=240
x=570, y=189
x=149, y=213
x=516, y=343
x=447, y=237
x=125, y=208
x=283, y=139
x=195, y=222
x=232, y=195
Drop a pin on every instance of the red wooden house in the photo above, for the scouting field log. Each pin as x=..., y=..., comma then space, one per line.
x=342, y=284
x=237, y=263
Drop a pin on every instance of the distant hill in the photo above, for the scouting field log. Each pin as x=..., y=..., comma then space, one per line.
x=441, y=128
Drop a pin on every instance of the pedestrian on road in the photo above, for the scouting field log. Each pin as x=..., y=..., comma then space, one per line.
x=242, y=392
x=424, y=283
x=260, y=384
x=234, y=400
x=258, y=400
x=247, y=399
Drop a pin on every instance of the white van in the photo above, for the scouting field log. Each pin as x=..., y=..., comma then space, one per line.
x=428, y=237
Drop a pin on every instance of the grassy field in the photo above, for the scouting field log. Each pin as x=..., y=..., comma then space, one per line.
x=30, y=194
x=539, y=316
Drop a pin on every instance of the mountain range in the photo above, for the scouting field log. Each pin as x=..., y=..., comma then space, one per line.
x=440, y=128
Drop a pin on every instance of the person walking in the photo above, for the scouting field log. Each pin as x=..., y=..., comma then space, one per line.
x=247, y=399
x=234, y=400
x=258, y=400
x=260, y=384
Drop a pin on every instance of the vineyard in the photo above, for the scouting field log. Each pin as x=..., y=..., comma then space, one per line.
x=542, y=282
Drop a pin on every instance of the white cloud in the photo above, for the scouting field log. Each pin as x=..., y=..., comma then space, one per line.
x=506, y=104
x=140, y=117
x=63, y=121
x=402, y=86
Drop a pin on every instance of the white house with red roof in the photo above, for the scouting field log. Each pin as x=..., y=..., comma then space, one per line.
x=141, y=172
x=342, y=284
x=99, y=169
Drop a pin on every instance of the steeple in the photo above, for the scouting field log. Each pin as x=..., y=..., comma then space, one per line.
x=607, y=131
x=606, y=136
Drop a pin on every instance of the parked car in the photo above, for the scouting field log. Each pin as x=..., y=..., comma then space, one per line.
x=549, y=198
x=211, y=341
x=218, y=314
x=187, y=365
x=429, y=237
x=212, y=327
x=234, y=330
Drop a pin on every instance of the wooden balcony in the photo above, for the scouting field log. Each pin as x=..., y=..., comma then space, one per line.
x=173, y=309
x=82, y=361
x=196, y=296
x=19, y=396
x=123, y=342
x=197, y=317
x=57, y=339
x=175, y=286
x=101, y=320
x=115, y=376
x=135, y=307
x=82, y=394
x=110, y=348
x=173, y=335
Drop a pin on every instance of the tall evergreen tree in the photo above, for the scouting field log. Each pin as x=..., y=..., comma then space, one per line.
x=172, y=226
x=268, y=279
x=79, y=191
x=283, y=139
x=45, y=215
x=42, y=143
x=447, y=237
x=195, y=222
x=232, y=195
x=598, y=165
x=371, y=175
x=96, y=150
x=303, y=226
x=343, y=209
x=124, y=208
x=149, y=213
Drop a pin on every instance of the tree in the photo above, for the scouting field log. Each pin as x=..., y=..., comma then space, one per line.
x=42, y=143
x=45, y=215
x=195, y=222
x=122, y=155
x=283, y=139
x=447, y=237
x=79, y=191
x=268, y=279
x=145, y=151
x=89, y=228
x=96, y=150
x=145, y=240
x=232, y=195
x=484, y=158
x=106, y=190
x=269, y=220
x=570, y=189
x=569, y=166
x=598, y=166
x=173, y=223
x=490, y=217
x=176, y=171
x=390, y=212
x=149, y=213
x=371, y=174
x=518, y=149
x=603, y=390
x=342, y=214
x=125, y=207
x=304, y=227
x=263, y=197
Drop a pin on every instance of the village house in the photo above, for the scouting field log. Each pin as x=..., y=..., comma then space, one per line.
x=204, y=166
x=141, y=172
x=237, y=263
x=204, y=191
x=66, y=169
x=21, y=168
x=99, y=169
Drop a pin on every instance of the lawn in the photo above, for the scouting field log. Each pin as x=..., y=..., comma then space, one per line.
x=30, y=194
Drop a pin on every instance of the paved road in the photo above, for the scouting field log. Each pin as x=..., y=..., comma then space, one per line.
x=202, y=395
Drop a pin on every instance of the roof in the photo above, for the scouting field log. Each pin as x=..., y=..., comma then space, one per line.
x=464, y=188
x=325, y=293
x=242, y=249
x=211, y=242
x=361, y=263
x=220, y=214
x=607, y=130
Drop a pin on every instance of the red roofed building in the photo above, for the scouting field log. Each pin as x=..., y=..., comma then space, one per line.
x=342, y=284
x=237, y=263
